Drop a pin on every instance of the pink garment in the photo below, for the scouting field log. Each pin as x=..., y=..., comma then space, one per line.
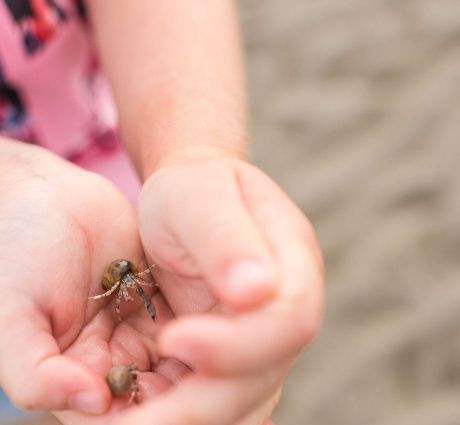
x=51, y=90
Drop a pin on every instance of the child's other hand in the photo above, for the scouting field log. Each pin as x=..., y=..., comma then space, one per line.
x=60, y=227
x=228, y=242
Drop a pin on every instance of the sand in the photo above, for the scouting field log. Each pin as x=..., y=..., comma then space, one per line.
x=356, y=113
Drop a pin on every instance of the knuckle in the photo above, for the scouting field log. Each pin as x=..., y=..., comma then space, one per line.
x=306, y=331
x=304, y=322
x=309, y=320
x=307, y=234
x=303, y=308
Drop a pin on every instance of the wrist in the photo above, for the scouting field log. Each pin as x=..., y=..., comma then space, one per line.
x=193, y=152
x=178, y=124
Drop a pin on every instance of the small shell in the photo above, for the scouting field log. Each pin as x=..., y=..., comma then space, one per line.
x=115, y=271
x=120, y=379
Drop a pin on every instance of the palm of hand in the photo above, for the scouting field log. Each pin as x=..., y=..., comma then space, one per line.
x=75, y=340
x=103, y=341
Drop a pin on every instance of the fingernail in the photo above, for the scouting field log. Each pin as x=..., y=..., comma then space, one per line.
x=249, y=277
x=87, y=402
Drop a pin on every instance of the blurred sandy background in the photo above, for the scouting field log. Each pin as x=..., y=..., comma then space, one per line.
x=356, y=113
x=356, y=107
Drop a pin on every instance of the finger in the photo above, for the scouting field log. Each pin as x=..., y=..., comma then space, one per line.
x=150, y=385
x=247, y=342
x=218, y=232
x=259, y=416
x=257, y=339
x=287, y=230
x=33, y=372
x=205, y=401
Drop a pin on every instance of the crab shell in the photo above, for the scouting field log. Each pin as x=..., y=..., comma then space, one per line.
x=115, y=271
x=120, y=379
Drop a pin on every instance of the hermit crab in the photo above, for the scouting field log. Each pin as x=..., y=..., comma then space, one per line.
x=123, y=378
x=122, y=275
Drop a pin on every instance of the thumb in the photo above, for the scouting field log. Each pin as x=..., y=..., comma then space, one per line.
x=202, y=208
x=36, y=376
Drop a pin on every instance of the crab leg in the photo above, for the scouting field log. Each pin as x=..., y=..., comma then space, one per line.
x=146, y=282
x=108, y=293
x=134, y=392
x=146, y=301
x=147, y=271
x=118, y=303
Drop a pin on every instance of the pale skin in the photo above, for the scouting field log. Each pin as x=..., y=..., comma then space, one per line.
x=229, y=245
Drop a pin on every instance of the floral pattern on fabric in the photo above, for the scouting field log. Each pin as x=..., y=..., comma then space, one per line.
x=51, y=90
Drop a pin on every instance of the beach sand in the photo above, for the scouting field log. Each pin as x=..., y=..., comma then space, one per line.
x=356, y=113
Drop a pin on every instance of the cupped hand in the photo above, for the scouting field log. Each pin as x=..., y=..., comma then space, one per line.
x=240, y=266
x=60, y=227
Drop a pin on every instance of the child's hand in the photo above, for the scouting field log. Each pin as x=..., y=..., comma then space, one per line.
x=60, y=227
x=227, y=241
